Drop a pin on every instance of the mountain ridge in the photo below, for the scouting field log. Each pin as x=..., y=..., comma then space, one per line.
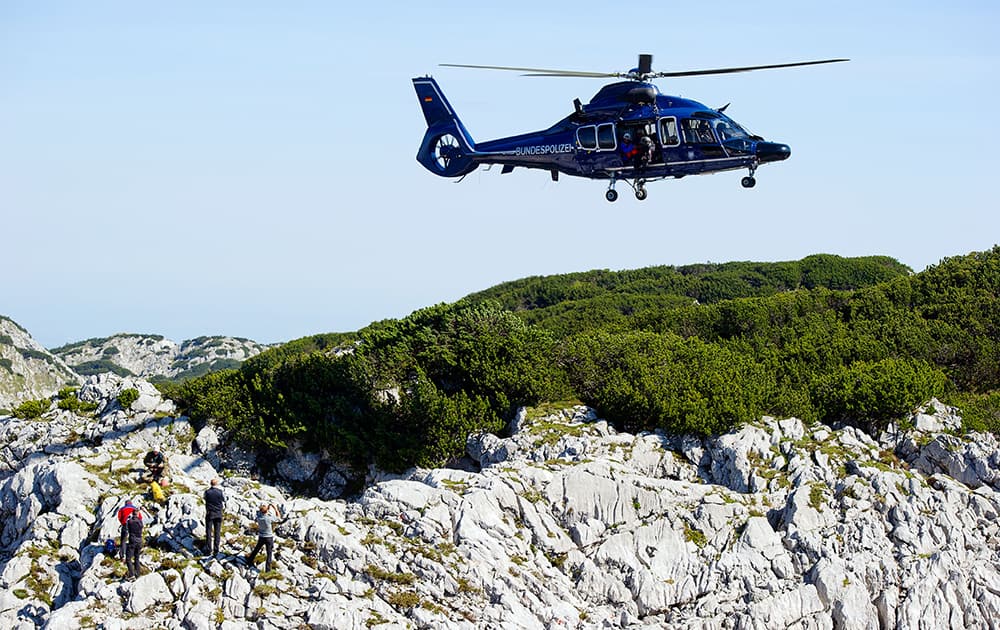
x=30, y=371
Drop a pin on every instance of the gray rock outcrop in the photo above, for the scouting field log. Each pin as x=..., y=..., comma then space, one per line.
x=149, y=356
x=568, y=524
x=27, y=370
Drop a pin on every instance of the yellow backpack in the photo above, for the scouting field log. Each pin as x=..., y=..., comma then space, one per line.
x=158, y=494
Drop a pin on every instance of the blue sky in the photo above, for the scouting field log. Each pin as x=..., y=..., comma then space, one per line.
x=247, y=168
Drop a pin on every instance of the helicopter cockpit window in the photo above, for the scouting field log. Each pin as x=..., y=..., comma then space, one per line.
x=587, y=137
x=697, y=131
x=668, y=132
x=606, y=136
x=727, y=129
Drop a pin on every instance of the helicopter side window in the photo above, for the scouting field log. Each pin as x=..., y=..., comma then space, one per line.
x=587, y=137
x=606, y=136
x=668, y=132
x=697, y=131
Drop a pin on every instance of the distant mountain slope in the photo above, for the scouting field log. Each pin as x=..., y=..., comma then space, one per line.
x=154, y=357
x=27, y=369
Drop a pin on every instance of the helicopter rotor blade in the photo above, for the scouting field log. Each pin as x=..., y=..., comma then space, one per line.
x=641, y=73
x=694, y=73
x=538, y=72
x=585, y=75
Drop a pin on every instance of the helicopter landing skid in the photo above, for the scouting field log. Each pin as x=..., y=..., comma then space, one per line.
x=637, y=184
x=749, y=181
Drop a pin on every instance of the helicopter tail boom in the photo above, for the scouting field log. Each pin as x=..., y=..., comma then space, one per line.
x=447, y=147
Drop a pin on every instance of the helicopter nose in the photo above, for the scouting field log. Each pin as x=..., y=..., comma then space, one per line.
x=772, y=151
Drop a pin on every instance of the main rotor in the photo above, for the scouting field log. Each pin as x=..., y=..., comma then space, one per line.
x=643, y=72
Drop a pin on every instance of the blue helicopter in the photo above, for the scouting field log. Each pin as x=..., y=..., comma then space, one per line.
x=628, y=132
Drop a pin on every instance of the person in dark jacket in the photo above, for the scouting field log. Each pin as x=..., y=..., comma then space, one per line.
x=123, y=513
x=133, y=525
x=215, y=501
x=155, y=464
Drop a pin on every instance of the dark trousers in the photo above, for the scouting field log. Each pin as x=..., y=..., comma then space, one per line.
x=124, y=539
x=213, y=532
x=132, y=550
x=267, y=543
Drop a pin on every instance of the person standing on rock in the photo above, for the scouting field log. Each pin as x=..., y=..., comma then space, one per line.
x=124, y=513
x=215, y=501
x=133, y=525
x=265, y=534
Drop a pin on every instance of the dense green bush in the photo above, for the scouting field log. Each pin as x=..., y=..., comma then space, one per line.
x=100, y=366
x=128, y=396
x=32, y=409
x=644, y=381
x=76, y=405
x=876, y=392
x=695, y=349
x=980, y=412
x=399, y=393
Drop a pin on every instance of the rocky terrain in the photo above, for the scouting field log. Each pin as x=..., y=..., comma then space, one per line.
x=151, y=356
x=27, y=369
x=565, y=524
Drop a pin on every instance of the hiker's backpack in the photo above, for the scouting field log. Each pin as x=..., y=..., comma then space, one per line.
x=110, y=547
x=157, y=492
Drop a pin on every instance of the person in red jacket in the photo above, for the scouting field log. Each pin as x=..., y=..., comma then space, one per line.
x=123, y=513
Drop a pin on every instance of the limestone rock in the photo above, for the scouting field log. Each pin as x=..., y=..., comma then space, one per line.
x=567, y=523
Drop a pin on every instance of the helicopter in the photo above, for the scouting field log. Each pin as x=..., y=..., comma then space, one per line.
x=628, y=132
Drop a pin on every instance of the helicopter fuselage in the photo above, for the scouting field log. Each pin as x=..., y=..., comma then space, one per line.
x=628, y=131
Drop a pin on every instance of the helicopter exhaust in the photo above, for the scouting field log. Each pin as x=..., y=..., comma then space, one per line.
x=447, y=148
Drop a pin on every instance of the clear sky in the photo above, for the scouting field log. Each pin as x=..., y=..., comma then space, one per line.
x=247, y=168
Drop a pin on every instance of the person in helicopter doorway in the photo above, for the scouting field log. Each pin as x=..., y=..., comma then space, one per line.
x=629, y=150
x=644, y=153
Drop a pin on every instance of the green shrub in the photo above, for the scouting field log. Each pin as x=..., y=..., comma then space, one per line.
x=32, y=409
x=980, y=412
x=870, y=394
x=643, y=381
x=696, y=349
x=76, y=405
x=100, y=366
x=127, y=397
x=403, y=599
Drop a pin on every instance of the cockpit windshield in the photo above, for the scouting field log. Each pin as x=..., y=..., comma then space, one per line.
x=728, y=129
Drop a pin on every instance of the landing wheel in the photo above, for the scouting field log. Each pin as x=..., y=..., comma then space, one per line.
x=748, y=182
x=640, y=193
x=611, y=195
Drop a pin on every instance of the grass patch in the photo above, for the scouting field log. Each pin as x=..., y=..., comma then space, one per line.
x=817, y=492
x=403, y=599
x=263, y=590
x=695, y=535
x=386, y=576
